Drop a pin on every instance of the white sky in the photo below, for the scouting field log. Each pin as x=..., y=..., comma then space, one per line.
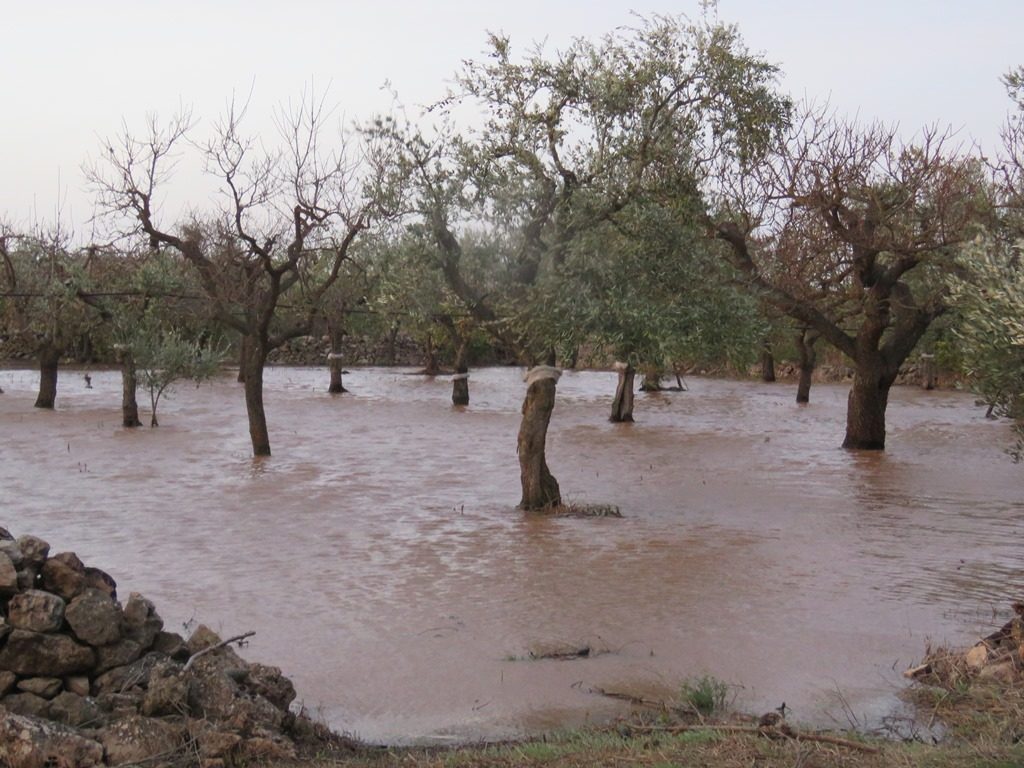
x=72, y=70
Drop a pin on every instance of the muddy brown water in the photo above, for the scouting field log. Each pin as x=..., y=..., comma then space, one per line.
x=380, y=559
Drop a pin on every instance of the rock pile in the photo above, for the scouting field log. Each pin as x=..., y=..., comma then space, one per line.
x=998, y=656
x=86, y=680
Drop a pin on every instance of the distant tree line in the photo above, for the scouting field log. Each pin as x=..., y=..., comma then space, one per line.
x=650, y=195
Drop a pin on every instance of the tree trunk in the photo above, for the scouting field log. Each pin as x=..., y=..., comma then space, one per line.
x=805, y=341
x=767, y=364
x=391, y=348
x=255, y=359
x=540, y=489
x=865, y=412
x=622, y=405
x=652, y=379
x=460, y=381
x=929, y=374
x=129, y=387
x=430, y=366
x=49, y=361
x=243, y=351
x=334, y=363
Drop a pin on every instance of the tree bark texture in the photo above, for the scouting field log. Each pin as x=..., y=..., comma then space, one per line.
x=334, y=363
x=49, y=361
x=243, y=351
x=430, y=365
x=255, y=359
x=460, y=382
x=767, y=364
x=865, y=412
x=929, y=373
x=129, y=387
x=540, y=489
x=805, y=341
x=622, y=405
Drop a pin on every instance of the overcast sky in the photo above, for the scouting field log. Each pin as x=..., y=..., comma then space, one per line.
x=72, y=70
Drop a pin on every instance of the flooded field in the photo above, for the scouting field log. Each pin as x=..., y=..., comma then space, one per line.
x=381, y=561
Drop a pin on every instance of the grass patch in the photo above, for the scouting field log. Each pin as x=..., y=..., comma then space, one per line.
x=707, y=695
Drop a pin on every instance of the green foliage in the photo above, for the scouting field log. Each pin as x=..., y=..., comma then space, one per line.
x=163, y=356
x=990, y=304
x=706, y=694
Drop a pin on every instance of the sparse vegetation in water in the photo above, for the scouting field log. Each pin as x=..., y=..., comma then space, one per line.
x=707, y=695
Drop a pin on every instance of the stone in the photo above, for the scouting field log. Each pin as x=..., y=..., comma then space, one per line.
x=34, y=550
x=8, y=575
x=217, y=744
x=26, y=704
x=120, y=705
x=977, y=657
x=77, y=684
x=172, y=644
x=13, y=552
x=265, y=749
x=1001, y=671
x=26, y=741
x=33, y=654
x=123, y=678
x=117, y=655
x=101, y=580
x=64, y=575
x=77, y=711
x=95, y=618
x=7, y=681
x=5, y=628
x=168, y=690
x=142, y=622
x=28, y=578
x=223, y=658
x=138, y=740
x=36, y=611
x=46, y=687
x=271, y=684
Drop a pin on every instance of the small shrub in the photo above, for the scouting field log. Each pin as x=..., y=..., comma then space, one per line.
x=705, y=694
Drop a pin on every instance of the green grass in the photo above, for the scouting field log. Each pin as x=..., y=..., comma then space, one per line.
x=707, y=695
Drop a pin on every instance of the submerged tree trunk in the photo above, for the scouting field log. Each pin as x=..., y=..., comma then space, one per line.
x=334, y=360
x=255, y=359
x=767, y=363
x=652, y=379
x=929, y=374
x=49, y=361
x=129, y=387
x=430, y=364
x=540, y=489
x=391, y=344
x=460, y=381
x=805, y=341
x=622, y=405
x=865, y=413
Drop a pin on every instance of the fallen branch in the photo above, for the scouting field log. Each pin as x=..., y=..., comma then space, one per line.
x=229, y=641
x=773, y=732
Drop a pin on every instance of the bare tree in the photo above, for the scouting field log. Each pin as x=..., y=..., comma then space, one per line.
x=850, y=231
x=286, y=222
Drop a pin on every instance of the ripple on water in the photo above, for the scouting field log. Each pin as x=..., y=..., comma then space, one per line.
x=379, y=556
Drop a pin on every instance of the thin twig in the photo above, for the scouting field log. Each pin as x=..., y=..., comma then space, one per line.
x=198, y=654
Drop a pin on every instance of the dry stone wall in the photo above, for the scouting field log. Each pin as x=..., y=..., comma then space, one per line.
x=87, y=679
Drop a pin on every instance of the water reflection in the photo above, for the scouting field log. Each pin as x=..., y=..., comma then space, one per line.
x=380, y=559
